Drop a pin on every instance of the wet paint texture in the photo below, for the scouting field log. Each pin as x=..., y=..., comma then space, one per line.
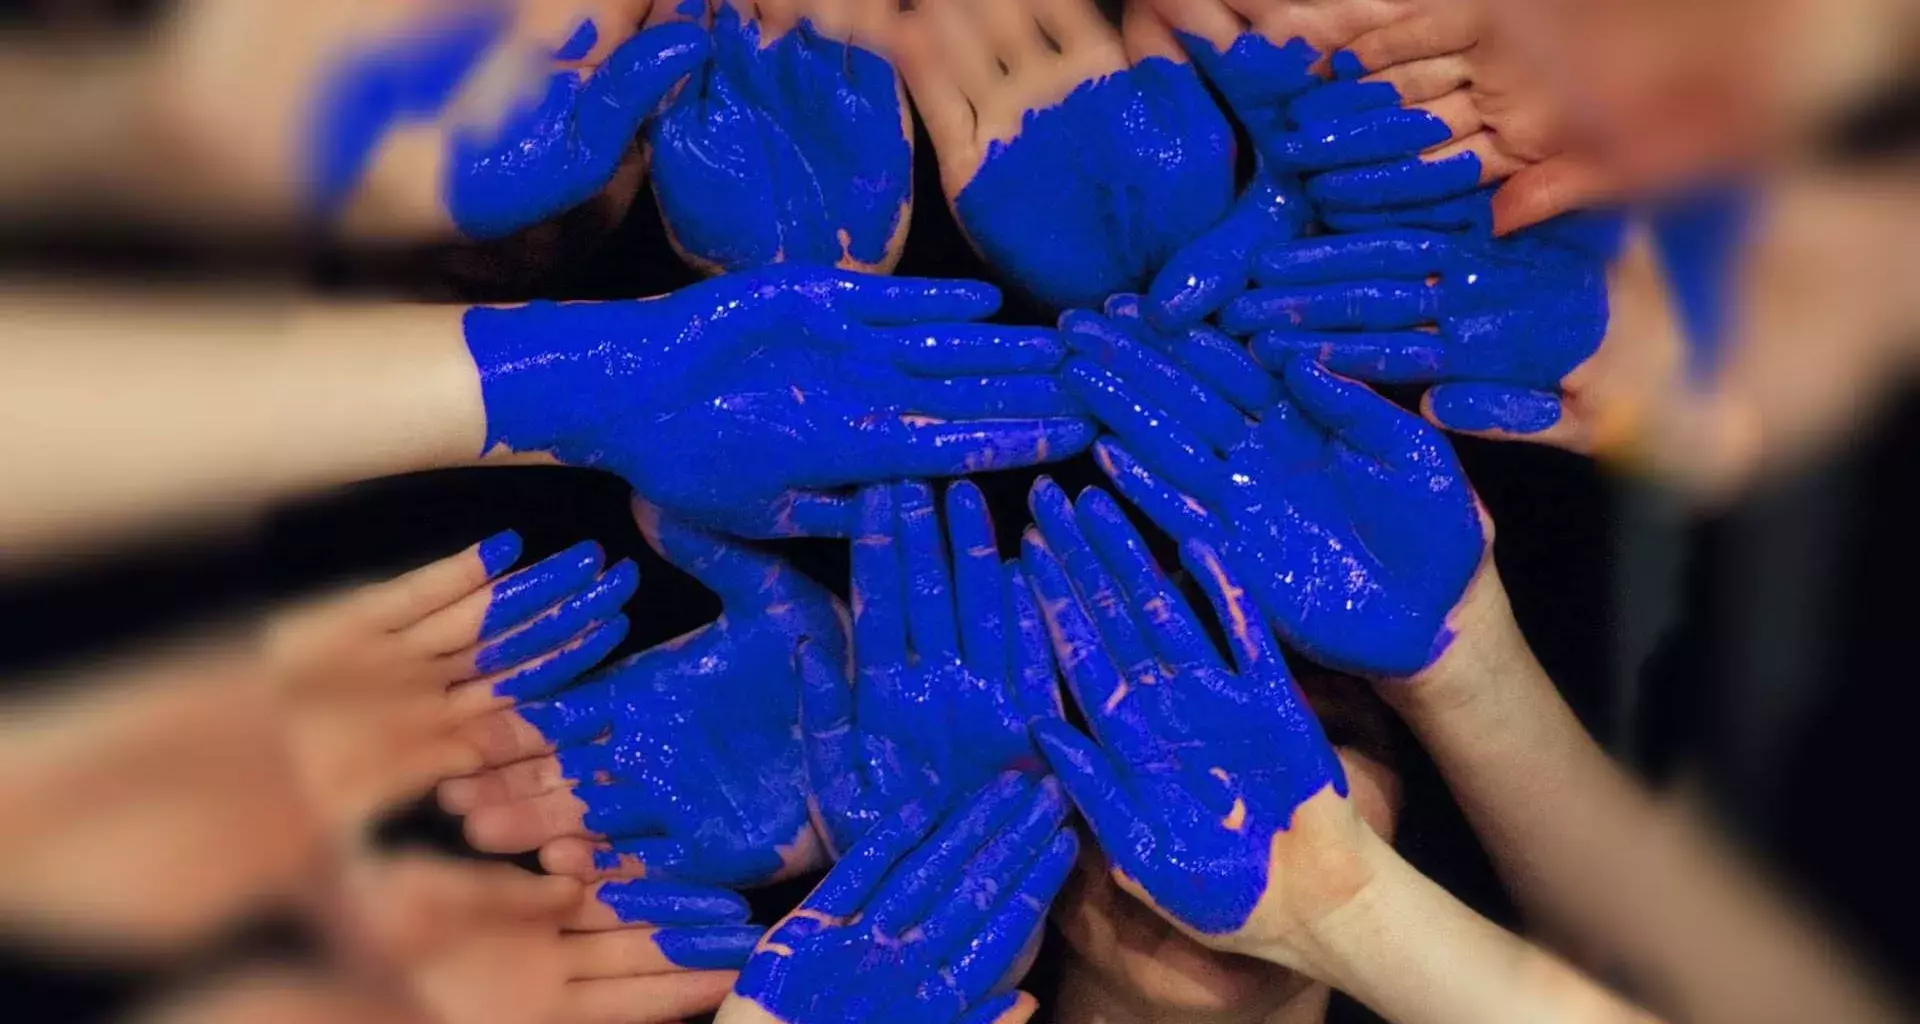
x=1215, y=268
x=551, y=621
x=499, y=551
x=926, y=919
x=1350, y=520
x=687, y=755
x=546, y=154
x=1498, y=323
x=951, y=665
x=1192, y=766
x=799, y=381
x=698, y=928
x=794, y=149
x=1100, y=190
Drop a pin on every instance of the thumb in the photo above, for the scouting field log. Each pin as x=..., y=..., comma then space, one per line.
x=634, y=79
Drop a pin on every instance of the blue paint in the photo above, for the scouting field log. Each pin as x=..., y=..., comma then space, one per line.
x=498, y=552
x=1213, y=269
x=800, y=381
x=1470, y=214
x=537, y=162
x=563, y=666
x=949, y=672
x=1128, y=168
x=654, y=902
x=553, y=628
x=581, y=43
x=1492, y=407
x=1415, y=182
x=1368, y=138
x=517, y=598
x=708, y=949
x=1700, y=236
x=1193, y=766
x=687, y=755
x=797, y=150
x=1520, y=313
x=925, y=920
x=1350, y=519
x=1258, y=78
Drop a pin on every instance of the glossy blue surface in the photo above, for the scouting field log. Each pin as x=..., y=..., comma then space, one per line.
x=1215, y=268
x=538, y=160
x=799, y=381
x=580, y=43
x=498, y=552
x=551, y=621
x=794, y=149
x=1259, y=80
x=518, y=597
x=1512, y=316
x=1350, y=520
x=1194, y=765
x=951, y=665
x=927, y=918
x=700, y=928
x=599, y=601
x=1098, y=191
x=687, y=755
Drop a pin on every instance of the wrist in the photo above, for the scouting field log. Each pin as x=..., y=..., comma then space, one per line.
x=548, y=370
x=1485, y=648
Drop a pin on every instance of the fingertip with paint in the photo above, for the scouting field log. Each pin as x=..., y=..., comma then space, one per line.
x=499, y=552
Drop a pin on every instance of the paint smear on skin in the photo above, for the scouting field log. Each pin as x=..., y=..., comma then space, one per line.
x=1494, y=408
x=499, y=552
x=581, y=43
x=794, y=149
x=708, y=949
x=1097, y=192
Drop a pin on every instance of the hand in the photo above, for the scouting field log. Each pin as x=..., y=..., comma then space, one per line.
x=794, y=145
x=1079, y=172
x=479, y=943
x=952, y=712
x=1351, y=520
x=1214, y=269
x=461, y=121
x=926, y=920
x=798, y=380
x=681, y=762
x=1510, y=330
x=1213, y=791
x=378, y=681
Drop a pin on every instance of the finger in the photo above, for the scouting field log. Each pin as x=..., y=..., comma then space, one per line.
x=937, y=95
x=652, y=1000
x=1011, y=1008
x=1376, y=136
x=1179, y=514
x=639, y=952
x=911, y=450
x=525, y=824
x=1546, y=190
x=406, y=599
x=979, y=398
x=1203, y=275
x=1036, y=694
x=958, y=350
x=1410, y=182
x=931, y=627
x=1427, y=79
x=1160, y=437
x=1495, y=410
x=1219, y=362
x=737, y=572
x=553, y=629
x=879, y=582
x=977, y=581
x=1113, y=347
x=535, y=776
x=1332, y=259
x=803, y=513
x=1023, y=909
x=1090, y=671
x=1448, y=29
x=630, y=84
x=860, y=873
x=1099, y=595
x=503, y=737
x=1470, y=215
x=1256, y=654
x=1159, y=608
x=881, y=301
x=552, y=671
x=610, y=905
x=826, y=727
x=975, y=900
x=931, y=872
x=1353, y=412
x=1389, y=357
x=1096, y=788
x=1071, y=23
x=1356, y=305
x=622, y=859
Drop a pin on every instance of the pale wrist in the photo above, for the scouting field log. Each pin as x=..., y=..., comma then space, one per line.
x=1486, y=649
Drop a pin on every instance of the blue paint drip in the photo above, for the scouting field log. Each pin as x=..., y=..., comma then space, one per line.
x=686, y=754
x=708, y=949
x=799, y=380
x=1350, y=520
x=564, y=622
x=581, y=43
x=499, y=551
x=1130, y=168
x=918, y=927
x=525, y=593
x=1215, y=761
x=795, y=151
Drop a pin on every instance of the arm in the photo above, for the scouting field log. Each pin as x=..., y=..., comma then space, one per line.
x=1585, y=847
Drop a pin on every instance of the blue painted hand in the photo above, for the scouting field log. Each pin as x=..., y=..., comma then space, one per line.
x=793, y=145
x=1077, y=163
x=799, y=380
x=951, y=665
x=1212, y=790
x=655, y=927
x=519, y=131
x=1214, y=269
x=1351, y=519
x=1510, y=330
x=681, y=762
x=928, y=919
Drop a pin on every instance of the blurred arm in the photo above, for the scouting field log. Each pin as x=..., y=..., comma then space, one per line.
x=1588, y=851
x=124, y=410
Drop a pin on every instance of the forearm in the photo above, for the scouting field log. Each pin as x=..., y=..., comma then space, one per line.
x=1584, y=847
x=124, y=412
x=68, y=116
x=1416, y=955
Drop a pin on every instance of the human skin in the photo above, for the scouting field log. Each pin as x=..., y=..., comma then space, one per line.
x=126, y=413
